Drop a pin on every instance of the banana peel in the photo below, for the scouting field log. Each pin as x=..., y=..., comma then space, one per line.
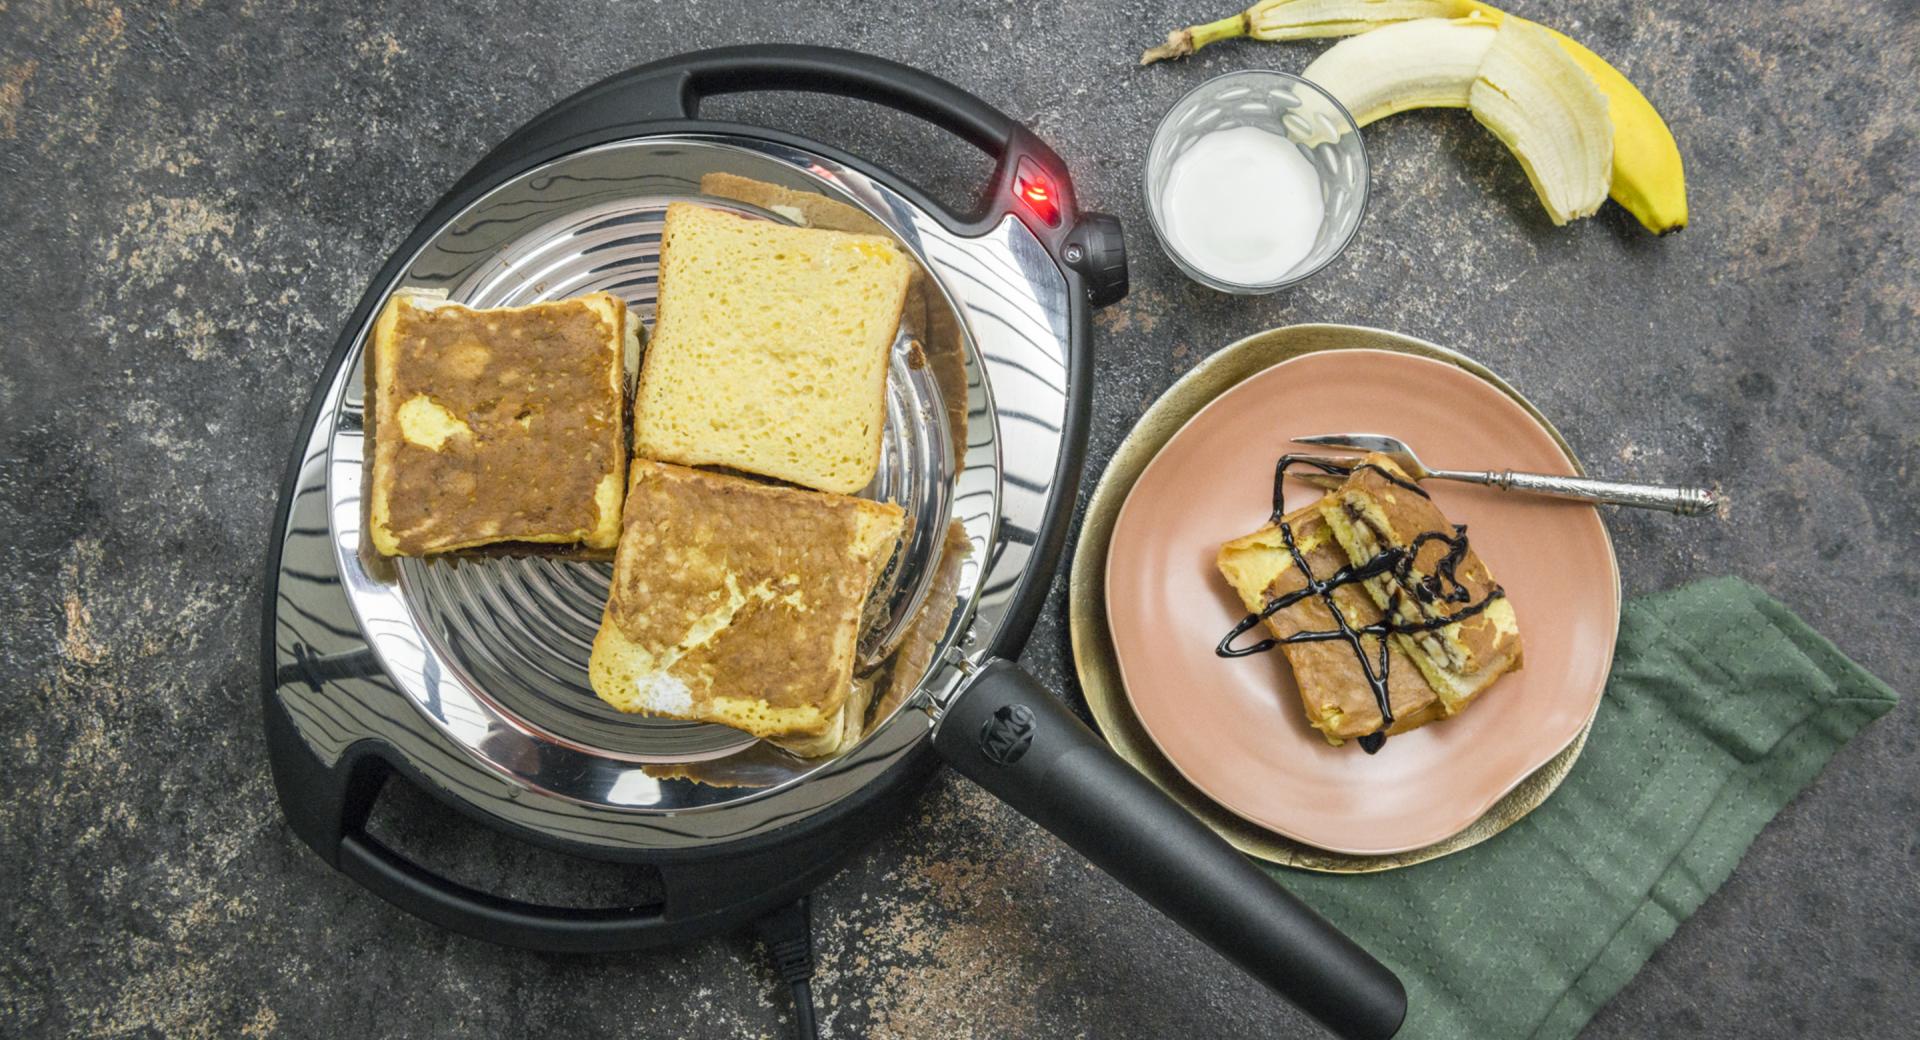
x=1538, y=101
x=1272, y=20
x=1649, y=179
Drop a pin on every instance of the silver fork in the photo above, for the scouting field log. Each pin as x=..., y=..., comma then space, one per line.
x=1686, y=501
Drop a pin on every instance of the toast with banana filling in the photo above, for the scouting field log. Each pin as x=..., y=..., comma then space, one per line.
x=1450, y=616
x=1338, y=699
x=497, y=426
x=1387, y=616
x=740, y=603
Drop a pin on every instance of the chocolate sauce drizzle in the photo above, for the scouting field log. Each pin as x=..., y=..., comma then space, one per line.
x=1439, y=587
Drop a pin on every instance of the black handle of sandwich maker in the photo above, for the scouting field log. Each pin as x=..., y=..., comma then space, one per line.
x=1008, y=734
x=679, y=84
x=655, y=97
x=483, y=915
x=698, y=75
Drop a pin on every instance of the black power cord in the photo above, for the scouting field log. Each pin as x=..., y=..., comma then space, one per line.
x=787, y=933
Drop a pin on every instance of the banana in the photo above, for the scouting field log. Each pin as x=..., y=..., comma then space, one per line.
x=1649, y=179
x=1518, y=82
x=1547, y=111
x=1426, y=63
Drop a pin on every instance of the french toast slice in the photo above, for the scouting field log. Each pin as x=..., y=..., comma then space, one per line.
x=770, y=348
x=740, y=603
x=1377, y=508
x=1338, y=700
x=494, y=426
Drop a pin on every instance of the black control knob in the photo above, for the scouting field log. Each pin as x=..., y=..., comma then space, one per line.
x=1097, y=249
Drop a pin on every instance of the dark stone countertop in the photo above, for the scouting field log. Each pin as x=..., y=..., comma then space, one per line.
x=193, y=196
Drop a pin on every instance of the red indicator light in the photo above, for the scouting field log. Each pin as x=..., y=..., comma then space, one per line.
x=1037, y=193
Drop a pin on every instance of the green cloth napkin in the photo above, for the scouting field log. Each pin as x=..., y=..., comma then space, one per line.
x=1721, y=706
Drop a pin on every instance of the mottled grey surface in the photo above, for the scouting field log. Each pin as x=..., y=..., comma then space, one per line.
x=194, y=195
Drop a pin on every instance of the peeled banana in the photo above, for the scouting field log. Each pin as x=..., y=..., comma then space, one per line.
x=1426, y=63
x=1516, y=80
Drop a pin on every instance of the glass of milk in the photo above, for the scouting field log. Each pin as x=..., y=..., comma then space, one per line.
x=1255, y=180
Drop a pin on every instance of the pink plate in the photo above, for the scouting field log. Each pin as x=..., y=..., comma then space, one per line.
x=1234, y=728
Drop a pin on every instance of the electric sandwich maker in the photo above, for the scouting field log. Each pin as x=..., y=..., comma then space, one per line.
x=469, y=677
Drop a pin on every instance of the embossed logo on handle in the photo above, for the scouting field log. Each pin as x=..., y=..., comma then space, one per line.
x=1007, y=735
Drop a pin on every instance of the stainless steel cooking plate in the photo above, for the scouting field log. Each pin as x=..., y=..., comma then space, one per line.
x=494, y=650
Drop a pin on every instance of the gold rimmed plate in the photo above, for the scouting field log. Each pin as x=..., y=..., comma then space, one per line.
x=1228, y=738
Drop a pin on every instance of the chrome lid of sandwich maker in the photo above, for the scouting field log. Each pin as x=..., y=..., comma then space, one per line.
x=491, y=653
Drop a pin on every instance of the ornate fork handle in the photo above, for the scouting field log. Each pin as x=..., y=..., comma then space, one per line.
x=1685, y=501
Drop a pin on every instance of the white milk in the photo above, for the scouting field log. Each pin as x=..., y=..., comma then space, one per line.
x=1243, y=205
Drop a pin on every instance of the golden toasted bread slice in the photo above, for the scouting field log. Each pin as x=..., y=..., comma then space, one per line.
x=1378, y=507
x=770, y=348
x=739, y=603
x=493, y=426
x=1334, y=691
x=925, y=317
